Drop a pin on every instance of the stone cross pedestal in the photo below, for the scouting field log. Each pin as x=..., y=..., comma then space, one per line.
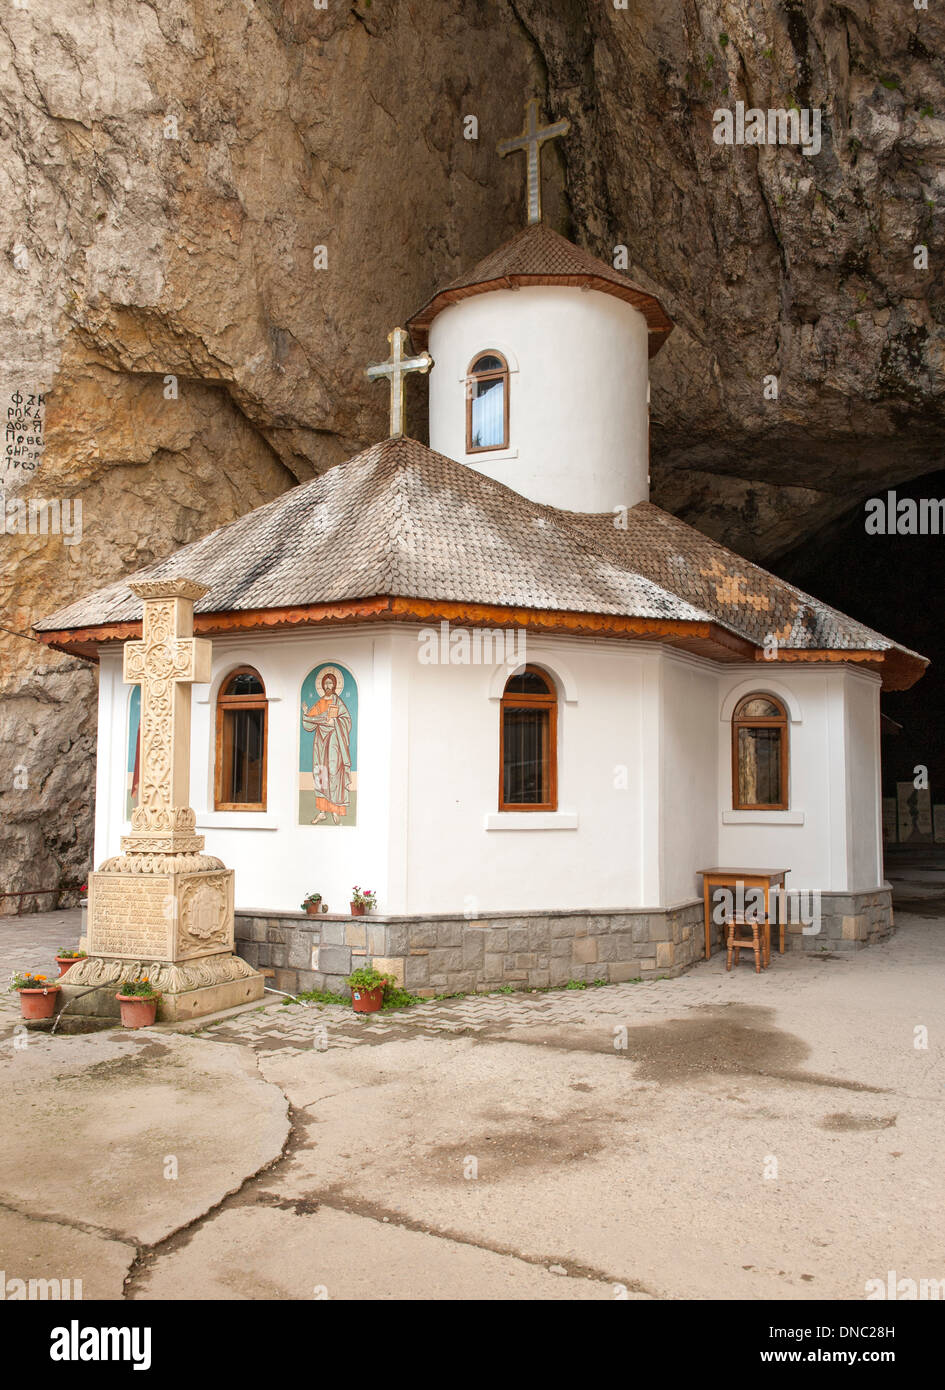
x=163, y=908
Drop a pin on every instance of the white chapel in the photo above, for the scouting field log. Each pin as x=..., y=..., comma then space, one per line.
x=489, y=680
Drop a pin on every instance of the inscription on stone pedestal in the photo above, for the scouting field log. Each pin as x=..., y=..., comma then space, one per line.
x=131, y=917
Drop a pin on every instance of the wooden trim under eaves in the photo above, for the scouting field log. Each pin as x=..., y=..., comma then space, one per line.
x=659, y=325
x=898, y=668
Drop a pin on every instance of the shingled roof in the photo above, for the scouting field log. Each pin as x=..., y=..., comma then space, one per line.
x=539, y=256
x=410, y=529
x=748, y=598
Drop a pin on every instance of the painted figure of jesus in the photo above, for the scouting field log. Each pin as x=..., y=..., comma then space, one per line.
x=330, y=721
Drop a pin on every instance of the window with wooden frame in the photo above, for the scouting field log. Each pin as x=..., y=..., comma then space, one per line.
x=241, y=742
x=528, y=757
x=759, y=755
x=487, y=403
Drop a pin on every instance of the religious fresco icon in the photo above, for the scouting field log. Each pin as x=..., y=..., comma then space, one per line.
x=328, y=747
x=133, y=760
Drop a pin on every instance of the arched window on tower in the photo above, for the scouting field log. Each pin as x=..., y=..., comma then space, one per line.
x=487, y=403
x=241, y=742
x=759, y=755
x=528, y=758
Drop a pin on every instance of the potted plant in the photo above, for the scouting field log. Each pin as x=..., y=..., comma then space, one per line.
x=367, y=989
x=138, y=1001
x=311, y=903
x=65, y=959
x=38, y=995
x=362, y=902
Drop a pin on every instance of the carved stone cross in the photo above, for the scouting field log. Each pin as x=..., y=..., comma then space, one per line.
x=531, y=140
x=396, y=367
x=165, y=663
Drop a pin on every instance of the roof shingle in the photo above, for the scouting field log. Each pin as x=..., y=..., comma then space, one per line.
x=539, y=256
x=403, y=521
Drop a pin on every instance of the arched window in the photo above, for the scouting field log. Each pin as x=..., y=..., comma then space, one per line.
x=528, y=761
x=241, y=742
x=759, y=755
x=487, y=403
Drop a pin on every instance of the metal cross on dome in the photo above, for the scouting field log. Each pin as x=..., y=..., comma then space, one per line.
x=396, y=368
x=531, y=140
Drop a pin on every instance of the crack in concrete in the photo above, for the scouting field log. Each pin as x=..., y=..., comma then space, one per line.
x=87, y=1228
x=334, y=1200
x=147, y=1256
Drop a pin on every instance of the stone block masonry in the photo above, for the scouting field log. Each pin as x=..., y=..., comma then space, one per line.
x=449, y=955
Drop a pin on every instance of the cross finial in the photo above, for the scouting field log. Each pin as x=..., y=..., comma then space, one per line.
x=396, y=368
x=531, y=140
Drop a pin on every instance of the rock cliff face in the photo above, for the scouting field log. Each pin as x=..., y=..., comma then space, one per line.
x=772, y=263
x=171, y=170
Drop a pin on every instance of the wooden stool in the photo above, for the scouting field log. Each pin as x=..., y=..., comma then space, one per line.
x=752, y=935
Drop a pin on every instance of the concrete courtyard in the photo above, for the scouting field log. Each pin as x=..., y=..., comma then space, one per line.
x=716, y=1136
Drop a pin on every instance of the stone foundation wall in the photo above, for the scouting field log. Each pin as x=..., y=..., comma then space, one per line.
x=450, y=955
x=848, y=922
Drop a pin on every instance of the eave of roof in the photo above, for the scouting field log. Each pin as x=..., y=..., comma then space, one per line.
x=897, y=668
x=400, y=533
x=539, y=256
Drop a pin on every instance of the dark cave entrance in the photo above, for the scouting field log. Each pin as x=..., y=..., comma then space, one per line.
x=894, y=583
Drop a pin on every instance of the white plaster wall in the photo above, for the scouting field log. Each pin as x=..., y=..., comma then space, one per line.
x=814, y=838
x=644, y=779
x=276, y=860
x=463, y=854
x=690, y=815
x=113, y=697
x=862, y=691
x=578, y=423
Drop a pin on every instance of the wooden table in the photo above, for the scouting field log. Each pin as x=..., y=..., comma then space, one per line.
x=765, y=879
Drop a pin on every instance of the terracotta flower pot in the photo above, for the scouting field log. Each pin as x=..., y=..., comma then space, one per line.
x=38, y=1003
x=357, y=909
x=64, y=962
x=367, y=1001
x=137, y=1010
x=312, y=909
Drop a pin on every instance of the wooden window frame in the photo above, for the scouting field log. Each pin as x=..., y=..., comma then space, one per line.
x=511, y=700
x=228, y=702
x=500, y=375
x=771, y=722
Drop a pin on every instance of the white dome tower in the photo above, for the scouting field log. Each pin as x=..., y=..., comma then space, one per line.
x=540, y=352
x=540, y=373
